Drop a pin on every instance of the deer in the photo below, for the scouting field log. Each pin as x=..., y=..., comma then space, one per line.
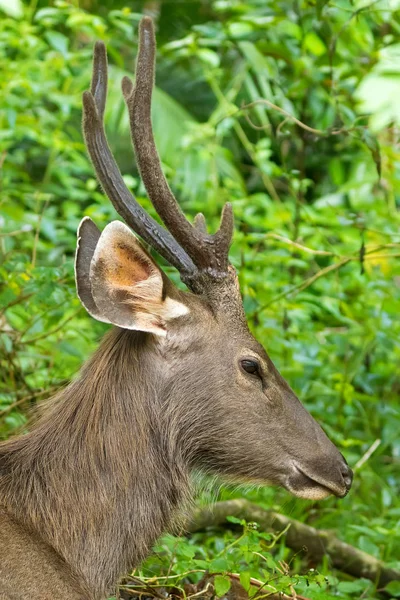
x=179, y=385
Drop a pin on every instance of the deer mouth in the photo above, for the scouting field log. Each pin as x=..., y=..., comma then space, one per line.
x=315, y=487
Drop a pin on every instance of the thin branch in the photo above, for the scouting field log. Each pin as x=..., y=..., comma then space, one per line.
x=250, y=105
x=48, y=333
x=31, y=323
x=289, y=117
x=367, y=455
x=299, y=246
x=24, y=229
x=302, y=285
x=248, y=146
x=204, y=585
x=37, y=233
x=28, y=398
x=333, y=44
x=17, y=300
x=382, y=256
x=299, y=287
x=317, y=542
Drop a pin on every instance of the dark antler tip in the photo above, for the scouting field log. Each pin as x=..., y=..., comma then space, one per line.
x=89, y=105
x=147, y=36
x=227, y=211
x=87, y=97
x=225, y=231
x=146, y=23
x=126, y=86
x=87, y=94
x=200, y=223
x=100, y=48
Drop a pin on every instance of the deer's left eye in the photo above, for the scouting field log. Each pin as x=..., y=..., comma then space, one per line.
x=251, y=366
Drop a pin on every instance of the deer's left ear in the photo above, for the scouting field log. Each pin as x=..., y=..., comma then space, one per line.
x=119, y=283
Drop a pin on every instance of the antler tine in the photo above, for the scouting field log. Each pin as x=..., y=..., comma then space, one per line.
x=110, y=177
x=208, y=252
x=199, y=223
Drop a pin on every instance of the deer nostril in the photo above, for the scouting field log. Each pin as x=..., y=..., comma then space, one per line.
x=347, y=475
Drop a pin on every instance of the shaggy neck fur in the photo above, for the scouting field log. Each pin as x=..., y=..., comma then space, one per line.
x=94, y=478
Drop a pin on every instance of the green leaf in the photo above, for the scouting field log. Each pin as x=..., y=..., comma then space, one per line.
x=236, y=521
x=393, y=588
x=58, y=41
x=378, y=94
x=254, y=57
x=238, y=30
x=314, y=44
x=12, y=8
x=202, y=564
x=351, y=587
x=219, y=565
x=186, y=551
x=208, y=56
x=245, y=580
x=222, y=584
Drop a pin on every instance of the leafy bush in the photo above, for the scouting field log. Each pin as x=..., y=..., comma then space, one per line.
x=262, y=104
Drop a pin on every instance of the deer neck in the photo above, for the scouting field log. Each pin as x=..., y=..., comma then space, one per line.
x=92, y=478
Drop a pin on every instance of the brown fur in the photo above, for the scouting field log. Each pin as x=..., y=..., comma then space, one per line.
x=29, y=568
x=92, y=477
x=105, y=470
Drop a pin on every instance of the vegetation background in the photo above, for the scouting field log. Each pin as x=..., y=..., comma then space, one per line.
x=312, y=166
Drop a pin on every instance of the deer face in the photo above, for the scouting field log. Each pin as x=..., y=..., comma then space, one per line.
x=236, y=415
x=245, y=422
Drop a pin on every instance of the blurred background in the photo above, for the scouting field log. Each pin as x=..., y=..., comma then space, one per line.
x=291, y=111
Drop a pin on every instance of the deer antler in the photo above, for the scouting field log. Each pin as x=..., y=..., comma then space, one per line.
x=187, y=247
x=206, y=251
x=110, y=177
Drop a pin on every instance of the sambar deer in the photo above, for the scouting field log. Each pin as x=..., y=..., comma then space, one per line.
x=178, y=385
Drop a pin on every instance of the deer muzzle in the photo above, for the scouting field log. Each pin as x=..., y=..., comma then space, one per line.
x=321, y=479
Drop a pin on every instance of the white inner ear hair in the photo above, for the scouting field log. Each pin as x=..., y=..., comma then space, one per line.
x=146, y=298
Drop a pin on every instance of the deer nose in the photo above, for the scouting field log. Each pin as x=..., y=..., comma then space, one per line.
x=347, y=474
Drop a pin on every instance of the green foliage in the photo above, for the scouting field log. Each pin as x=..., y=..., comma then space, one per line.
x=315, y=184
x=222, y=560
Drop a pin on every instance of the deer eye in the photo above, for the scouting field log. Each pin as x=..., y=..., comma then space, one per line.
x=251, y=366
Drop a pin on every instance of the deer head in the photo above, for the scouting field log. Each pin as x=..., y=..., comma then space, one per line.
x=233, y=413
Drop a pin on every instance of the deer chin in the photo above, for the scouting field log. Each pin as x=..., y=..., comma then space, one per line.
x=313, y=487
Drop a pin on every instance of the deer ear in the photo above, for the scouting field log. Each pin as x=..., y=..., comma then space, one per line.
x=126, y=286
x=88, y=236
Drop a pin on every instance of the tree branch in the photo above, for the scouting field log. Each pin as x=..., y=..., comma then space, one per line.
x=299, y=536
